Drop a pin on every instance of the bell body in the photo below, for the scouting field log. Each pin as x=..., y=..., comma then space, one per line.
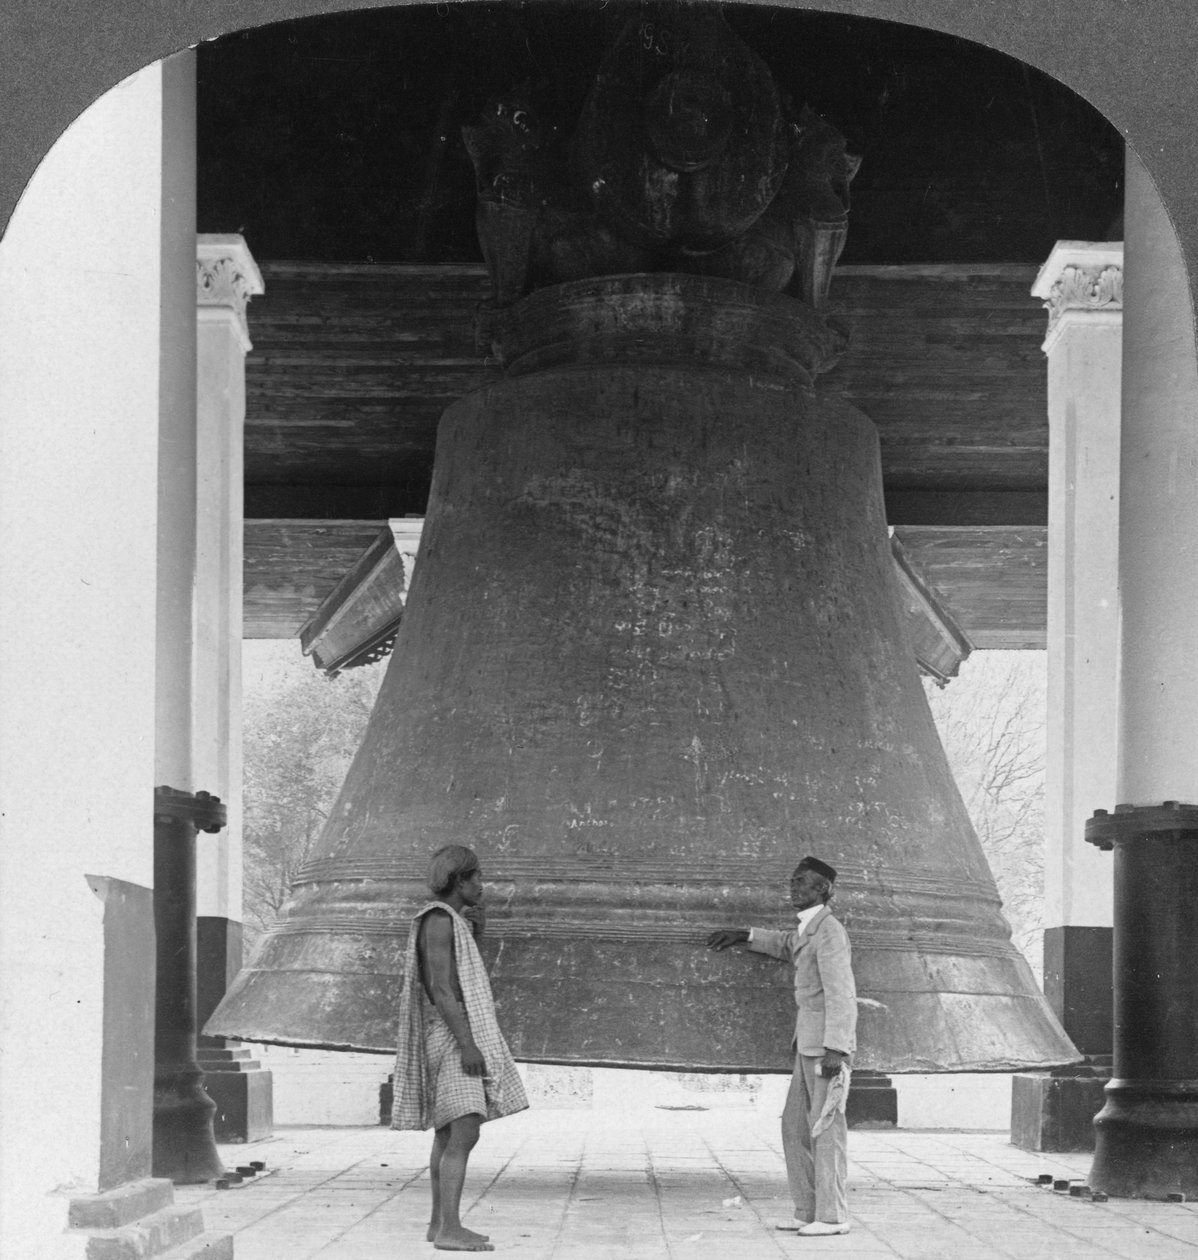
x=653, y=655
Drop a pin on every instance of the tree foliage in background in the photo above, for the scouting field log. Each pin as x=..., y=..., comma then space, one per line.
x=300, y=732
x=991, y=721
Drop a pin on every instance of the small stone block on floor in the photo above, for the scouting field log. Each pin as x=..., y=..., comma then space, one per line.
x=206, y=1247
x=151, y=1235
x=113, y=1208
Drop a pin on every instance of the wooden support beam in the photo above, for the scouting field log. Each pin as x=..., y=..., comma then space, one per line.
x=992, y=581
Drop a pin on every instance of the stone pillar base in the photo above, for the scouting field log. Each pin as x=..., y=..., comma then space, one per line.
x=1146, y=1135
x=1147, y=1140
x=872, y=1101
x=243, y=1092
x=141, y=1219
x=1055, y=1110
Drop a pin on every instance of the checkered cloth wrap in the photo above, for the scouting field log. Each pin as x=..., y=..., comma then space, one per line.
x=430, y=1086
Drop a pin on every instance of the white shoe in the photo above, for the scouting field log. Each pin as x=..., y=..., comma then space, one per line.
x=824, y=1229
x=791, y=1224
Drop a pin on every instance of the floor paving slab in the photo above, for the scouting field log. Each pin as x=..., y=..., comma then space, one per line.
x=651, y=1184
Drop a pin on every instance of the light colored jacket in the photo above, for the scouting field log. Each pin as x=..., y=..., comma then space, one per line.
x=825, y=991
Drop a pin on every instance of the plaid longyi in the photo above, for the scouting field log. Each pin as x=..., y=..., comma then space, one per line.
x=416, y=1101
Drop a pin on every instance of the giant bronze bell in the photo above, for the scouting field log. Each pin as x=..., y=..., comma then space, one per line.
x=653, y=652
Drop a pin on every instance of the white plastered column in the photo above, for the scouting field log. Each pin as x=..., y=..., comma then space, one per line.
x=1158, y=539
x=226, y=278
x=84, y=362
x=1147, y=1132
x=1082, y=287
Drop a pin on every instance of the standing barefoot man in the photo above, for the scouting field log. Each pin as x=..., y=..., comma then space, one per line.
x=453, y=1069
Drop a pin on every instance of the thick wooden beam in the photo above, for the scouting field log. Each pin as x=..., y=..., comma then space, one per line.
x=353, y=364
x=964, y=508
x=292, y=565
x=947, y=508
x=992, y=581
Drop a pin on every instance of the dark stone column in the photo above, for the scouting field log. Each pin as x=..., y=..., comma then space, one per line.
x=1147, y=1134
x=184, y=1144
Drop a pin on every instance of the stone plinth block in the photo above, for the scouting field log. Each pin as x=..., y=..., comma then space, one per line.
x=872, y=1102
x=1079, y=984
x=243, y=1105
x=1053, y=1111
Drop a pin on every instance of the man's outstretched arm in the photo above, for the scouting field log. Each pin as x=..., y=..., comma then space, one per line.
x=759, y=940
x=436, y=944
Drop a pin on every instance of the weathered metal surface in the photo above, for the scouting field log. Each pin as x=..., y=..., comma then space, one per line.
x=357, y=623
x=990, y=580
x=682, y=140
x=660, y=319
x=653, y=654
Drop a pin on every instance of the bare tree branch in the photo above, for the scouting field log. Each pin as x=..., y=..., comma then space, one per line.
x=991, y=721
x=300, y=731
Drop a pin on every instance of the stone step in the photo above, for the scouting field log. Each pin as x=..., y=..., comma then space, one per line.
x=152, y=1235
x=215, y=1054
x=210, y=1246
x=118, y=1207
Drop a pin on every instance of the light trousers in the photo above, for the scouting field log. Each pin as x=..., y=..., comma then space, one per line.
x=816, y=1168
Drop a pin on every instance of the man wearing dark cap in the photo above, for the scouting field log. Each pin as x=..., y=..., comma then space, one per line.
x=814, y=1132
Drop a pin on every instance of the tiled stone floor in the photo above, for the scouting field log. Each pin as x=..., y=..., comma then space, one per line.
x=656, y=1184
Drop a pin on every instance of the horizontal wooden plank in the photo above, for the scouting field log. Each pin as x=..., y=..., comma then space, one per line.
x=907, y=507
x=992, y=580
x=363, y=358
x=292, y=565
x=343, y=501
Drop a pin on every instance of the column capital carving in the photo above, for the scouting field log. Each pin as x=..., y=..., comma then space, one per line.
x=1080, y=278
x=226, y=278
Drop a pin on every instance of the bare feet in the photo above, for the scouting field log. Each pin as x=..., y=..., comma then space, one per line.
x=434, y=1229
x=461, y=1239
